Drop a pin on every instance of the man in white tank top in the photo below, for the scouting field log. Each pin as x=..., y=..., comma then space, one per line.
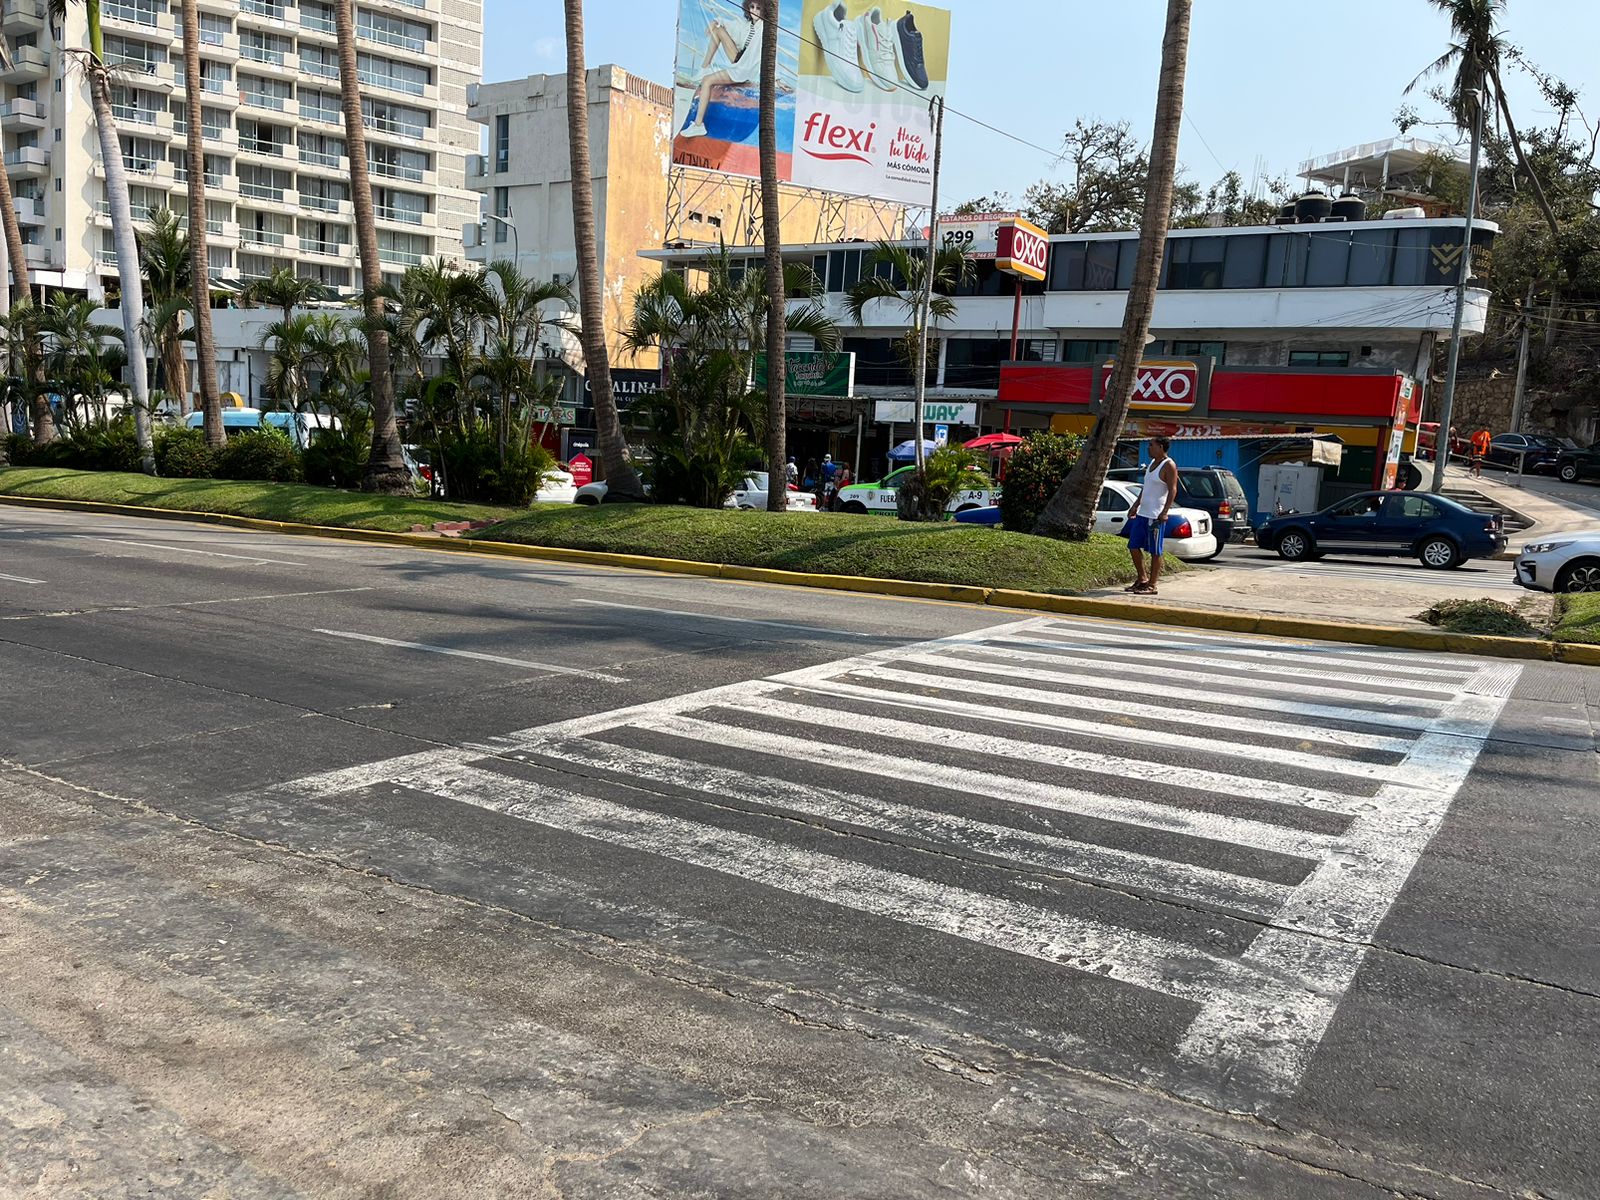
x=1146, y=531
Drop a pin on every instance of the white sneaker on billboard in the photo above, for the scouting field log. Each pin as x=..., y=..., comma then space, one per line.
x=698, y=129
x=840, y=41
x=878, y=49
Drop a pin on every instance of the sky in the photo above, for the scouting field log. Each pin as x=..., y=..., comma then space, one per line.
x=1271, y=82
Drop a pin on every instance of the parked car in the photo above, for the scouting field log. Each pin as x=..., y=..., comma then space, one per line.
x=880, y=497
x=557, y=487
x=1215, y=490
x=753, y=495
x=1438, y=531
x=594, y=493
x=1573, y=465
x=1190, y=533
x=300, y=428
x=1561, y=562
x=1536, y=454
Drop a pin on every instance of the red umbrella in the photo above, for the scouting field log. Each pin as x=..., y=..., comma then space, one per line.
x=994, y=441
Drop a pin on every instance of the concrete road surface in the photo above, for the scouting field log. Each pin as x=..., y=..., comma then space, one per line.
x=336, y=871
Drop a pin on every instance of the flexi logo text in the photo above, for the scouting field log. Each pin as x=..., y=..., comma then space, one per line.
x=837, y=141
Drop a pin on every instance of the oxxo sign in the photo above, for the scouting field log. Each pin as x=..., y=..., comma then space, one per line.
x=1023, y=250
x=1160, y=386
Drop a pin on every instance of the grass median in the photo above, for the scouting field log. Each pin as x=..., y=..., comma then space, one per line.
x=1578, y=620
x=817, y=543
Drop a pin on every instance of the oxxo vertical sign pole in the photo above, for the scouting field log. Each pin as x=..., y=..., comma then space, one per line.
x=936, y=108
x=1022, y=249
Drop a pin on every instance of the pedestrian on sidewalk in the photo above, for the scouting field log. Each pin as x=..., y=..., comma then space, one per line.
x=1146, y=531
x=1480, y=448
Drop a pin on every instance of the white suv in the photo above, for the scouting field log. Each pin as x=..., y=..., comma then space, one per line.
x=1561, y=562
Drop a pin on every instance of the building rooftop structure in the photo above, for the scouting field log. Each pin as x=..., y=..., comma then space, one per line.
x=1401, y=168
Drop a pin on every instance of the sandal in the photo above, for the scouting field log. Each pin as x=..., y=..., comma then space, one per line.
x=1144, y=589
x=1135, y=587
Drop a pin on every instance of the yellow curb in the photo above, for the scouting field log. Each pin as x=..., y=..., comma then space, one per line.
x=1083, y=606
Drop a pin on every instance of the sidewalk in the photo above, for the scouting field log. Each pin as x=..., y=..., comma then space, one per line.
x=1548, y=514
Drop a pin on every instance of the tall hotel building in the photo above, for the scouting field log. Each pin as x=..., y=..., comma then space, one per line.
x=277, y=179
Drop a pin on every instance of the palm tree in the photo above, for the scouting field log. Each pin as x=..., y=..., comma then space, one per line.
x=205, y=351
x=21, y=296
x=74, y=344
x=386, y=468
x=336, y=349
x=1475, y=56
x=516, y=318
x=898, y=274
x=283, y=289
x=98, y=74
x=1070, y=512
x=292, y=343
x=772, y=239
x=622, y=482
x=165, y=259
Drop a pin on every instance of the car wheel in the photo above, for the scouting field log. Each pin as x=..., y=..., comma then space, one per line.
x=1296, y=545
x=856, y=507
x=589, y=500
x=1568, y=472
x=1580, y=576
x=1439, y=553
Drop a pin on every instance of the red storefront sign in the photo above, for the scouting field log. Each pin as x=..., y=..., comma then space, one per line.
x=1261, y=397
x=581, y=470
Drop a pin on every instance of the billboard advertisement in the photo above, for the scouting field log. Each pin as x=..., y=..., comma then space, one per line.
x=855, y=80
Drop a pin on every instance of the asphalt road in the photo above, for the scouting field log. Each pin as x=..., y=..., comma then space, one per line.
x=330, y=870
x=1582, y=494
x=1485, y=577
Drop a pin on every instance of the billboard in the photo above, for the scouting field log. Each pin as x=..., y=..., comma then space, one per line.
x=855, y=80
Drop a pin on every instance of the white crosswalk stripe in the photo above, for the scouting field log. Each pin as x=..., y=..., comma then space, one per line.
x=1204, y=770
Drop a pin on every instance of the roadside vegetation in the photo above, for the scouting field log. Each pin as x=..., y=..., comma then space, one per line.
x=1489, y=617
x=841, y=544
x=1578, y=620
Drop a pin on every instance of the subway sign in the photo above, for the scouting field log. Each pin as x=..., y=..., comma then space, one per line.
x=1022, y=249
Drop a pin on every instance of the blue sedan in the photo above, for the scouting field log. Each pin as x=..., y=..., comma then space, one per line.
x=1439, y=532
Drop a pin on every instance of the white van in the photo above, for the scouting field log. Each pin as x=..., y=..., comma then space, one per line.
x=302, y=428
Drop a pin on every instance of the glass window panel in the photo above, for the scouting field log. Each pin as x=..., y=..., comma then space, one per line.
x=1100, y=267
x=1371, y=257
x=1066, y=266
x=1329, y=260
x=1286, y=260
x=1412, y=261
x=1247, y=261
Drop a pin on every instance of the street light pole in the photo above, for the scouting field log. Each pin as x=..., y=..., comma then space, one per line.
x=1441, y=445
x=516, y=247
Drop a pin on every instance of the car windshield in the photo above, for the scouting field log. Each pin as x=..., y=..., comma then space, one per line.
x=758, y=481
x=1546, y=443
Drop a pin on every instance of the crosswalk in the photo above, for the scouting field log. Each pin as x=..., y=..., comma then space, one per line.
x=1287, y=787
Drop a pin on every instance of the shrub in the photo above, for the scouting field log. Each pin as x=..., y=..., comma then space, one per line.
x=948, y=470
x=1478, y=616
x=264, y=454
x=101, y=446
x=183, y=454
x=473, y=470
x=1033, y=475
x=338, y=457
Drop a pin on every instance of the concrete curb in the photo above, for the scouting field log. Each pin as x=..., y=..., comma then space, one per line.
x=1078, y=606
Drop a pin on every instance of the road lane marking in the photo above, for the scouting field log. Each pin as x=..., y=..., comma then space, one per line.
x=144, y=545
x=1128, y=956
x=532, y=664
x=1120, y=868
x=824, y=634
x=20, y=579
x=132, y=608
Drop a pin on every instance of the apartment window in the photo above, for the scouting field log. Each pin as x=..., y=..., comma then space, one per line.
x=400, y=206
x=502, y=144
x=502, y=209
x=321, y=106
x=392, y=31
x=321, y=61
x=215, y=77
x=326, y=195
x=319, y=150
x=317, y=17
x=1319, y=358
x=265, y=93
x=265, y=47
x=402, y=249
x=384, y=117
x=378, y=71
x=139, y=12
x=1084, y=350
x=133, y=54
x=393, y=162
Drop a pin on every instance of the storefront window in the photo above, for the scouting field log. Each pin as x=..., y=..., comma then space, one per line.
x=1195, y=262
x=1066, y=266
x=1319, y=358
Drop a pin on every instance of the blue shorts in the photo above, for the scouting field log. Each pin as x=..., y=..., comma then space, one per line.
x=1146, y=533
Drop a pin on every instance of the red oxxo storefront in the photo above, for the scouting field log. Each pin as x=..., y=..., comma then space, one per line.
x=1373, y=412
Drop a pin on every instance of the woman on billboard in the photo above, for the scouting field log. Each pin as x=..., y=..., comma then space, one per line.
x=739, y=39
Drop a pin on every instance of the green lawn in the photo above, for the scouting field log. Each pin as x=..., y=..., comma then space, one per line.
x=267, y=501
x=1578, y=620
x=830, y=544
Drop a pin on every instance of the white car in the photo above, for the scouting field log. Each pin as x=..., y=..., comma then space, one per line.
x=557, y=487
x=1561, y=562
x=753, y=495
x=1193, y=539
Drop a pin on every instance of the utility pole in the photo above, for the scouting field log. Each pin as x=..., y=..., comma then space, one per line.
x=1441, y=454
x=1522, y=363
x=936, y=110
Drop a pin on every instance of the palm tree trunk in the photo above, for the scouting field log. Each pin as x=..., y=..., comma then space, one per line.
x=1070, y=513
x=772, y=238
x=622, y=482
x=175, y=372
x=44, y=426
x=1522, y=159
x=131, y=282
x=205, y=350
x=386, y=468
